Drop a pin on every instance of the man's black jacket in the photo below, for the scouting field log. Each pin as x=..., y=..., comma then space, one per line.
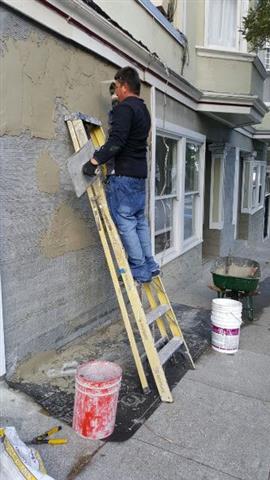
x=127, y=141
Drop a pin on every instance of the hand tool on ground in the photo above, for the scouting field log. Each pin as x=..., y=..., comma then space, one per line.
x=43, y=438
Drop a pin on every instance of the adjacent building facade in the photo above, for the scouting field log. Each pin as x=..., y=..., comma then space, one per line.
x=209, y=184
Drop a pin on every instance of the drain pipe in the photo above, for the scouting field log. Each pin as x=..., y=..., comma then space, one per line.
x=2, y=342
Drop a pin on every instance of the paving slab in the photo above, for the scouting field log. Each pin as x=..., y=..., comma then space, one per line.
x=219, y=429
x=245, y=373
x=30, y=419
x=137, y=460
x=264, y=318
x=256, y=338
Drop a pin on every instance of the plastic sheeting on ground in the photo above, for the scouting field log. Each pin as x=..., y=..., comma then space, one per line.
x=17, y=460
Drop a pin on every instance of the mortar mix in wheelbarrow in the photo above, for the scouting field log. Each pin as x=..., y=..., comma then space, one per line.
x=237, y=278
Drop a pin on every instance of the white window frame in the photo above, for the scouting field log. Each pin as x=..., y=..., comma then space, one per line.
x=217, y=225
x=240, y=42
x=260, y=182
x=267, y=57
x=182, y=135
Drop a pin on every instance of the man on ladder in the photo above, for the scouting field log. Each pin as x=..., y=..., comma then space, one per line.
x=125, y=189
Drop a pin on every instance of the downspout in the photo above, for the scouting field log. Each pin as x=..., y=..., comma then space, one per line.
x=2, y=342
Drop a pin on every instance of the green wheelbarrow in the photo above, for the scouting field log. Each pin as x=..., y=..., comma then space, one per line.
x=237, y=278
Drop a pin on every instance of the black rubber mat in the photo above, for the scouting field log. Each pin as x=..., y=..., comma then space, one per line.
x=134, y=407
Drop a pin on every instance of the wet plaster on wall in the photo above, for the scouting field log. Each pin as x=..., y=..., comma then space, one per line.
x=48, y=173
x=34, y=73
x=37, y=68
x=68, y=232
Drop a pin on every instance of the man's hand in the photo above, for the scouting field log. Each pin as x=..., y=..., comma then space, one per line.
x=89, y=169
x=93, y=161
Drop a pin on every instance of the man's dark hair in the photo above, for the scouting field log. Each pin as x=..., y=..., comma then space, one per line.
x=131, y=77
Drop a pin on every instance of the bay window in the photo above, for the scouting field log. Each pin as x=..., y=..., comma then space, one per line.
x=222, y=23
x=253, y=186
x=176, y=218
x=223, y=20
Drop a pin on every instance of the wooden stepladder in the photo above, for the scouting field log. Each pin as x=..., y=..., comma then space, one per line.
x=160, y=316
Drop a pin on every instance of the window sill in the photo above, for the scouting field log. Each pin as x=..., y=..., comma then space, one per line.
x=190, y=243
x=253, y=211
x=165, y=257
x=225, y=53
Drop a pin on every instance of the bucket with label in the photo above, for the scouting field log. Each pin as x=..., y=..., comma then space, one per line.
x=226, y=320
x=96, y=395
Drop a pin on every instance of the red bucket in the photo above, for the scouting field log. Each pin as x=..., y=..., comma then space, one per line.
x=96, y=395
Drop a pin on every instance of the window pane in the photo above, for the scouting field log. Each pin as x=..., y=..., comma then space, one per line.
x=192, y=167
x=165, y=165
x=222, y=19
x=255, y=173
x=163, y=214
x=163, y=242
x=189, y=217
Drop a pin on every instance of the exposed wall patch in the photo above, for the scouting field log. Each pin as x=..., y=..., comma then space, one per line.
x=48, y=178
x=68, y=232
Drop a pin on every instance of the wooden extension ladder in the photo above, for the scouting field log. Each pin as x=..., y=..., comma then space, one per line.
x=160, y=312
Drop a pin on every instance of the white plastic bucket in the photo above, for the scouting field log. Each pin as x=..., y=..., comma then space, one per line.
x=226, y=320
x=226, y=304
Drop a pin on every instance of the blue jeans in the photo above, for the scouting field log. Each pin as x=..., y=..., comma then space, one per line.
x=126, y=200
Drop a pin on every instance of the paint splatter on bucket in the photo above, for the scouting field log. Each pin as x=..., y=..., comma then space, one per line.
x=226, y=321
x=96, y=396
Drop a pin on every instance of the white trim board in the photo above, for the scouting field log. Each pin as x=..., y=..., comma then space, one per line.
x=179, y=131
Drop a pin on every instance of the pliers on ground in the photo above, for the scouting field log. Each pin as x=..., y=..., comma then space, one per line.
x=43, y=438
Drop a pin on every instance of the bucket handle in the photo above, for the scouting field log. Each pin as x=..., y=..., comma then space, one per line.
x=241, y=321
x=88, y=394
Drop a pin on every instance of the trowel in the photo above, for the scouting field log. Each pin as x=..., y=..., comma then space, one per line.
x=75, y=165
x=77, y=161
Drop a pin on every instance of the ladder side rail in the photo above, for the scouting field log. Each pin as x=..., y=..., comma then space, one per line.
x=79, y=138
x=170, y=315
x=118, y=291
x=138, y=312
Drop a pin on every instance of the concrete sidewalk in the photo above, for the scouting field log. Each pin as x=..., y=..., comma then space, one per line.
x=218, y=427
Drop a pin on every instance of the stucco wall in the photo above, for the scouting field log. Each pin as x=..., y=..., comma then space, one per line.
x=212, y=75
x=55, y=279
